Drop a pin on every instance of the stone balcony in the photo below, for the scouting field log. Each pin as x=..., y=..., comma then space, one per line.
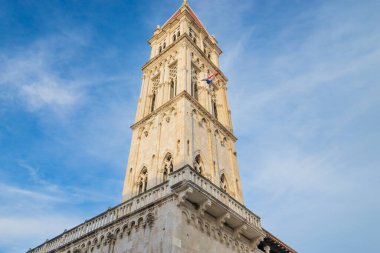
x=192, y=191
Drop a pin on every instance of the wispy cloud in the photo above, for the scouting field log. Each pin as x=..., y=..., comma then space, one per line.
x=15, y=230
x=301, y=84
x=30, y=75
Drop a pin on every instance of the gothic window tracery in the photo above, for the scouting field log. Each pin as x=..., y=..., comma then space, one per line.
x=168, y=166
x=173, y=79
x=142, y=181
x=192, y=35
x=194, y=83
x=198, y=164
x=213, y=102
x=155, y=82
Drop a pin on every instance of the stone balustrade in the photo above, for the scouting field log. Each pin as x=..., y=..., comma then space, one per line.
x=187, y=173
x=105, y=218
x=140, y=201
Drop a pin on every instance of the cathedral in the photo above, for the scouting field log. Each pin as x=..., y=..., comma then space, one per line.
x=182, y=190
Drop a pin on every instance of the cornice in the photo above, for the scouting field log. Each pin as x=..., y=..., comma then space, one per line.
x=195, y=103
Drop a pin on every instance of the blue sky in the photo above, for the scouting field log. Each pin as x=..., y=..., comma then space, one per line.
x=304, y=92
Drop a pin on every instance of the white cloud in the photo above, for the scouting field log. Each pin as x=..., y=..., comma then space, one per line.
x=20, y=233
x=9, y=190
x=30, y=75
x=38, y=95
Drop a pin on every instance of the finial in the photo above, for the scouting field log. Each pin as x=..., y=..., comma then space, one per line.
x=184, y=2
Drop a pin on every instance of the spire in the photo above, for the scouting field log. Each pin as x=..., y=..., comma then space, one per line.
x=186, y=6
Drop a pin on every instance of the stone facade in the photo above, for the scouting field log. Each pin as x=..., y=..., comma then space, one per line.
x=186, y=213
x=182, y=191
x=178, y=114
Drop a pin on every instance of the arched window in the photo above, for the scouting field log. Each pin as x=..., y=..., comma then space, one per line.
x=196, y=91
x=209, y=56
x=223, y=182
x=164, y=45
x=153, y=102
x=168, y=166
x=194, y=83
x=214, y=110
x=174, y=38
x=160, y=50
x=172, y=89
x=142, y=181
x=198, y=164
x=178, y=33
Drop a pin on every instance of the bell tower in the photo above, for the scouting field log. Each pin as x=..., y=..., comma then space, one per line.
x=180, y=119
x=182, y=189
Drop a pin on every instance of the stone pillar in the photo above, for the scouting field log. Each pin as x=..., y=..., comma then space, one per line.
x=145, y=96
x=141, y=99
x=166, y=84
x=153, y=51
x=215, y=58
x=182, y=59
x=160, y=88
x=188, y=70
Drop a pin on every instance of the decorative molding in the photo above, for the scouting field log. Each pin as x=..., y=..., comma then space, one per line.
x=222, y=219
x=184, y=94
x=181, y=197
x=203, y=207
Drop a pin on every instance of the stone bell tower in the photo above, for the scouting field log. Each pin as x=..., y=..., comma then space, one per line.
x=182, y=191
x=181, y=120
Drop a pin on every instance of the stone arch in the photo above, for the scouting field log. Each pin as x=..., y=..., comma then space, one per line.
x=140, y=222
x=224, y=141
x=167, y=166
x=202, y=122
x=125, y=227
x=187, y=216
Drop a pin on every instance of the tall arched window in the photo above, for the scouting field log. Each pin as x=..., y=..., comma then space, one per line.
x=198, y=164
x=160, y=49
x=174, y=38
x=168, y=166
x=214, y=110
x=172, y=91
x=196, y=91
x=142, y=182
x=153, y=102
x=178, y=33
x=194, y=83
x=223, y=182
x=173, y=78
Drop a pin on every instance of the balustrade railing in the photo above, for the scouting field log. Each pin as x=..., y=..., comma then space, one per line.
x=187, y=173
x=144, y=199
x=105, y=218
